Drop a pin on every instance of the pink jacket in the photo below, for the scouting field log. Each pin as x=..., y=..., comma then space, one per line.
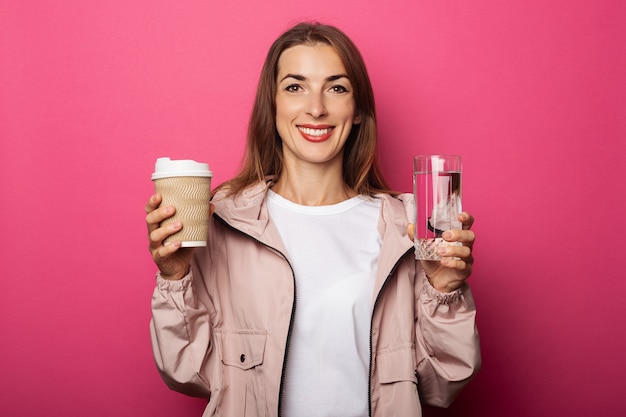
x=223, y=331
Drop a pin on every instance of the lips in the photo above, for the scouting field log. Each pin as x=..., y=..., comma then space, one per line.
x=316, y=133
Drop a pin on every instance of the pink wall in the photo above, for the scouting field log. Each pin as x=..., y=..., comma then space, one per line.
x=532, y=94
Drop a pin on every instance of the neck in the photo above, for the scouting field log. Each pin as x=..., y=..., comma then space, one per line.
x=313, y=188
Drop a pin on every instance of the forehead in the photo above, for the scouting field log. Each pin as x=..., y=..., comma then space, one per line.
x=310, y=61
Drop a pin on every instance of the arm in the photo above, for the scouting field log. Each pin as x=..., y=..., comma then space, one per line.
x=180, y=328
x=448, y=349
x=181, y=336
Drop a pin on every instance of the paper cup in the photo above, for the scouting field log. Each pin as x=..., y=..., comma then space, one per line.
x=186, y=185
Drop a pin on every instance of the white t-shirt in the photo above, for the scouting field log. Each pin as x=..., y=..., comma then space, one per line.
x=334, y=253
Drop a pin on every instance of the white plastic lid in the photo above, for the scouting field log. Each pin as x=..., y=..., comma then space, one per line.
x=166, y=167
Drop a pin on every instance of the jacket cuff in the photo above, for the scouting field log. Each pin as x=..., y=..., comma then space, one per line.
x=441, y=297
x=169, y=285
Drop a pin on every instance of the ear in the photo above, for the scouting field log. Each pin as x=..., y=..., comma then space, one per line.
x=357, y=119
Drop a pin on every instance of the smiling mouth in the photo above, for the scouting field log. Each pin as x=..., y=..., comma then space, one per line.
x=315, y=134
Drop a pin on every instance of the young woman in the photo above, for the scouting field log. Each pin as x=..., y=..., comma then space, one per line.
x=308, y=300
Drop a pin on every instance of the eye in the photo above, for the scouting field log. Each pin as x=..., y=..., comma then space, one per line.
x=293, y=88
x=338, y=89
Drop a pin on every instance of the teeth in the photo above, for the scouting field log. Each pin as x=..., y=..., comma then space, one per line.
x=315, y=132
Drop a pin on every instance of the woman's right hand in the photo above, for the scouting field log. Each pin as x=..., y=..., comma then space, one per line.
x=172, y=260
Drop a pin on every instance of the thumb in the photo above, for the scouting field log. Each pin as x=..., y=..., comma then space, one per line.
x=410, y=230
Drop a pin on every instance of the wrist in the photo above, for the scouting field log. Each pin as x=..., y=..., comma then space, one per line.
x=442, y=296
x=177, y=276
x=435, y=284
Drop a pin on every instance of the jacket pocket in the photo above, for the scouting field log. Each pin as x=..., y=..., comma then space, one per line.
x=396, y=365
x=243, y=349
x=241, y=353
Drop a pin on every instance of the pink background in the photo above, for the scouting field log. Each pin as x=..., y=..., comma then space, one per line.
x=531, y=93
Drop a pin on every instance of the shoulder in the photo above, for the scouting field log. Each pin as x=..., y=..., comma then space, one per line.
x=226, y=197
x=245, y=211
x=402, y=205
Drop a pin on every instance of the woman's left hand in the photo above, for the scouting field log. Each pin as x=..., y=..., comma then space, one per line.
x=456, y=262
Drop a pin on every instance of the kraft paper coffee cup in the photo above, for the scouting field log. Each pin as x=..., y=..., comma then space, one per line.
x=186, y=185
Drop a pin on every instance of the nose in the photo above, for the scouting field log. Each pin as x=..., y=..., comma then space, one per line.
x=316, y=105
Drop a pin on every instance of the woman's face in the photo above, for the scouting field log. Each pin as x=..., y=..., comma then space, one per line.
x=315, y=107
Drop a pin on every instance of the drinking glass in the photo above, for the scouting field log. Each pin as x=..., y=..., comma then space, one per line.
x=437, y=189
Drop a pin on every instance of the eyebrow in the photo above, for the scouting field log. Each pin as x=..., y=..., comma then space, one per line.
x=303, y=78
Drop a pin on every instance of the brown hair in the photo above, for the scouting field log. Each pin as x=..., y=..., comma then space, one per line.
x=264, y=147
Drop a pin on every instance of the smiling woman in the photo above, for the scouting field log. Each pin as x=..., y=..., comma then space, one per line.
x=310, y=218
x=264, y=145
x=315, y=113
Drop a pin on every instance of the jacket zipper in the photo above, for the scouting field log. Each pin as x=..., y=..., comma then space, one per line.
x=293, y=309
x=369, y=380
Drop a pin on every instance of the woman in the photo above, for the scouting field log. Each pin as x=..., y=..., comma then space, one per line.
x=307, y=299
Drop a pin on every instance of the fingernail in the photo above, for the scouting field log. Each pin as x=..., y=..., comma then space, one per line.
x=447, y=235
x=442, y=251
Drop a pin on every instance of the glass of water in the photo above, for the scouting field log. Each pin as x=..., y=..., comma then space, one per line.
x=437, y=189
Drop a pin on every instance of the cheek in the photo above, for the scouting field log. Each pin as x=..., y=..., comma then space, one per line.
x=286, y=108
x=280, y=116
x=344, y=110
x=282, y=119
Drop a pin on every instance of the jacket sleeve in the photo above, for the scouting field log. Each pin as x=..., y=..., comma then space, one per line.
x=181, y=336
x=448, y=349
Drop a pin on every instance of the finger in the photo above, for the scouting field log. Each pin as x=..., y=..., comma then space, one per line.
x=410, y=230
x=162, y=252
x=466, y=219
x=158, y=235
x=156, y=217
x=458, y=252
x=466, y=237
x=153, y=202
x=457, y=264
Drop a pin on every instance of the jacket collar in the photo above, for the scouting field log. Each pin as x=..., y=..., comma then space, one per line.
x=248, y=213
x=392, y=226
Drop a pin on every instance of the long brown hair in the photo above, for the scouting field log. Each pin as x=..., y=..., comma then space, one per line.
x=264, y=147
